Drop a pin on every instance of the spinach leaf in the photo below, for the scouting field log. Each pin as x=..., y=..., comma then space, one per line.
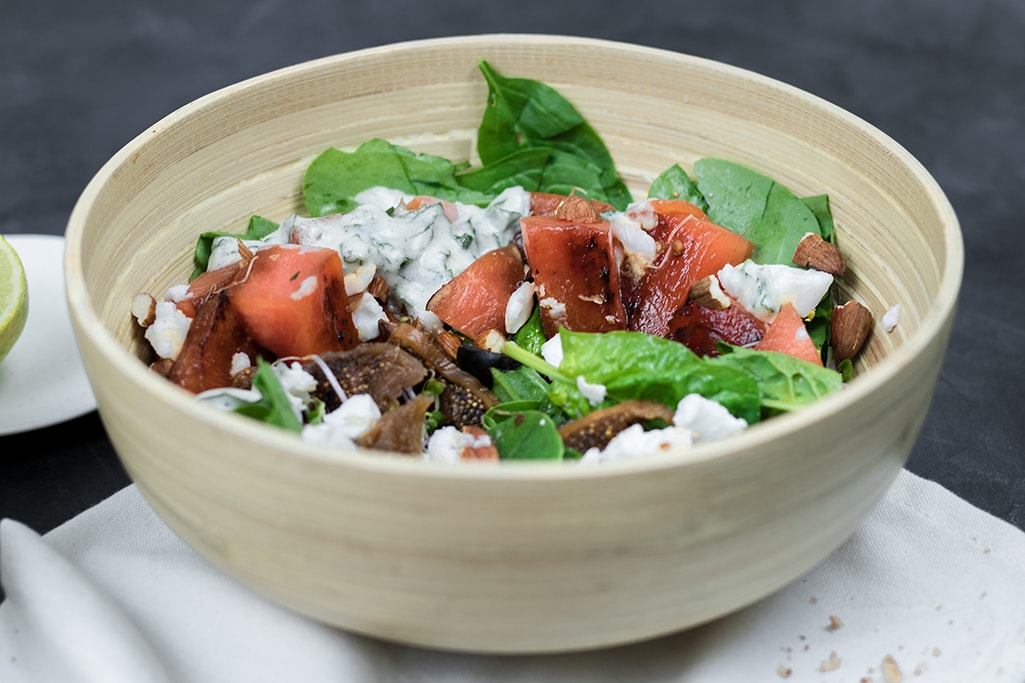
x=632, y=365
x=819, y=205
x=334, y=177
x=258, y=228
x=523, y=113
x=532, y=335
x=756, y=207
x=523, y=434
x=674, y=183
x=523, y=385
x=274, y=406
x=785, y=382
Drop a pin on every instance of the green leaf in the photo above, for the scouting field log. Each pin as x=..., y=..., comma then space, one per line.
x=523, y=168
x=674, y=183
x=756, y=207
x=274, y=406
x=819, y=205
x=257, y=229
x=523, y=435
x=532, y=335
x=334, y=177
x=633, y=365
x=785, y=382
x=523, y=113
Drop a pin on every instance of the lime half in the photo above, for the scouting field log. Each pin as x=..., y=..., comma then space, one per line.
x=13, y=297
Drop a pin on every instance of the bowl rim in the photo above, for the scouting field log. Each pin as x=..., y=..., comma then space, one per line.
x=287, y=445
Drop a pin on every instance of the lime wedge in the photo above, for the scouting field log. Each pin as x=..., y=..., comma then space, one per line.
x=13, y=297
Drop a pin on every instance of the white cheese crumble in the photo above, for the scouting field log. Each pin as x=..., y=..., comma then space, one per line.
x=891, y=318
x=631, y=228
x=167, y=332
x=635, y=442
x=306, y=287
x=366, y=316
x=705, y=419
x=239, y=362
x=594, y=393
x=346, y=423
x=519, y=307
x=446, y=444
x=551, y=351
x=695, y=420
x=764, y=288
x=176, y=293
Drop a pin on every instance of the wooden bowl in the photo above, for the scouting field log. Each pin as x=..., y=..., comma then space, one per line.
x=515, y=557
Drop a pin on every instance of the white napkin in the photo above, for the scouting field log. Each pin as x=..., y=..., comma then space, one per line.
x=929, y=589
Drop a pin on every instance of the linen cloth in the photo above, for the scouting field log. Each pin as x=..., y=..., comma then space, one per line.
x=929, y=589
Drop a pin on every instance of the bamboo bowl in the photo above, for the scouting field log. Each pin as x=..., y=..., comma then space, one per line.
x=510, y=558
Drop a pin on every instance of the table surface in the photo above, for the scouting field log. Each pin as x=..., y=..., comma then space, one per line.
x=946, y=79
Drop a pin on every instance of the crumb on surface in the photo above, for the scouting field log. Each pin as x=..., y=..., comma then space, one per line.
x=834, y=623
x=831, y=664
x=891, y=672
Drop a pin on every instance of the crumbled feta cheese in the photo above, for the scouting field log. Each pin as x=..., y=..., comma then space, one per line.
x=764, y=288
x=446, y=445
x=306, y=287
x=239, y=362
x=594, y=393
x=176, y=293
x=551, y=351
x=631, y=228
x=346, y=423
x=635, y=442
x=519, y=307
x=556, y=309
x=296, y=382
x=891, y=318
x=366, y=316
x=167, y=332
x=705, y=419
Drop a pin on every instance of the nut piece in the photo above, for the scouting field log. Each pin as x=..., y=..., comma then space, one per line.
x=850, y=327
x=449, y=343
x=144, y=308
x=576, y=208
x=708, y=292
x=815, y=252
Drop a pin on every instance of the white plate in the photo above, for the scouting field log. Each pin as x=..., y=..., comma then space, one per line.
x=42, y=380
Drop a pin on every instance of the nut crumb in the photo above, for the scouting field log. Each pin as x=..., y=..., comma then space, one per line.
x=813, y=600
x=784, y=672
x=834, y=623
x=831, y=664
x=987, y=549
x=865, y=679
x=891, y=672
x=936, y=652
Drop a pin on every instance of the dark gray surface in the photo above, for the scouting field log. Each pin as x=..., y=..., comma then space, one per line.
x=944, y=78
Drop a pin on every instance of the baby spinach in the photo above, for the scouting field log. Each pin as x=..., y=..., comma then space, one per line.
x=523, y=113
x=335, y=177
x=523, y=434
x=274, y=406
x=674, y=183
x=756, y=207
x=785, y=383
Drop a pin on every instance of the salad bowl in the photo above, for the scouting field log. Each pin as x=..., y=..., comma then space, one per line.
x=511, y=557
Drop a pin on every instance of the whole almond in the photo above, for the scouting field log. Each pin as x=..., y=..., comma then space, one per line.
x=849, y=327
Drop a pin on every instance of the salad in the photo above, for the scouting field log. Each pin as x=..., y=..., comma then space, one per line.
x=528, y=307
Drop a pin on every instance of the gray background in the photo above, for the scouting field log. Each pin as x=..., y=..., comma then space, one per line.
x=944, y=78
